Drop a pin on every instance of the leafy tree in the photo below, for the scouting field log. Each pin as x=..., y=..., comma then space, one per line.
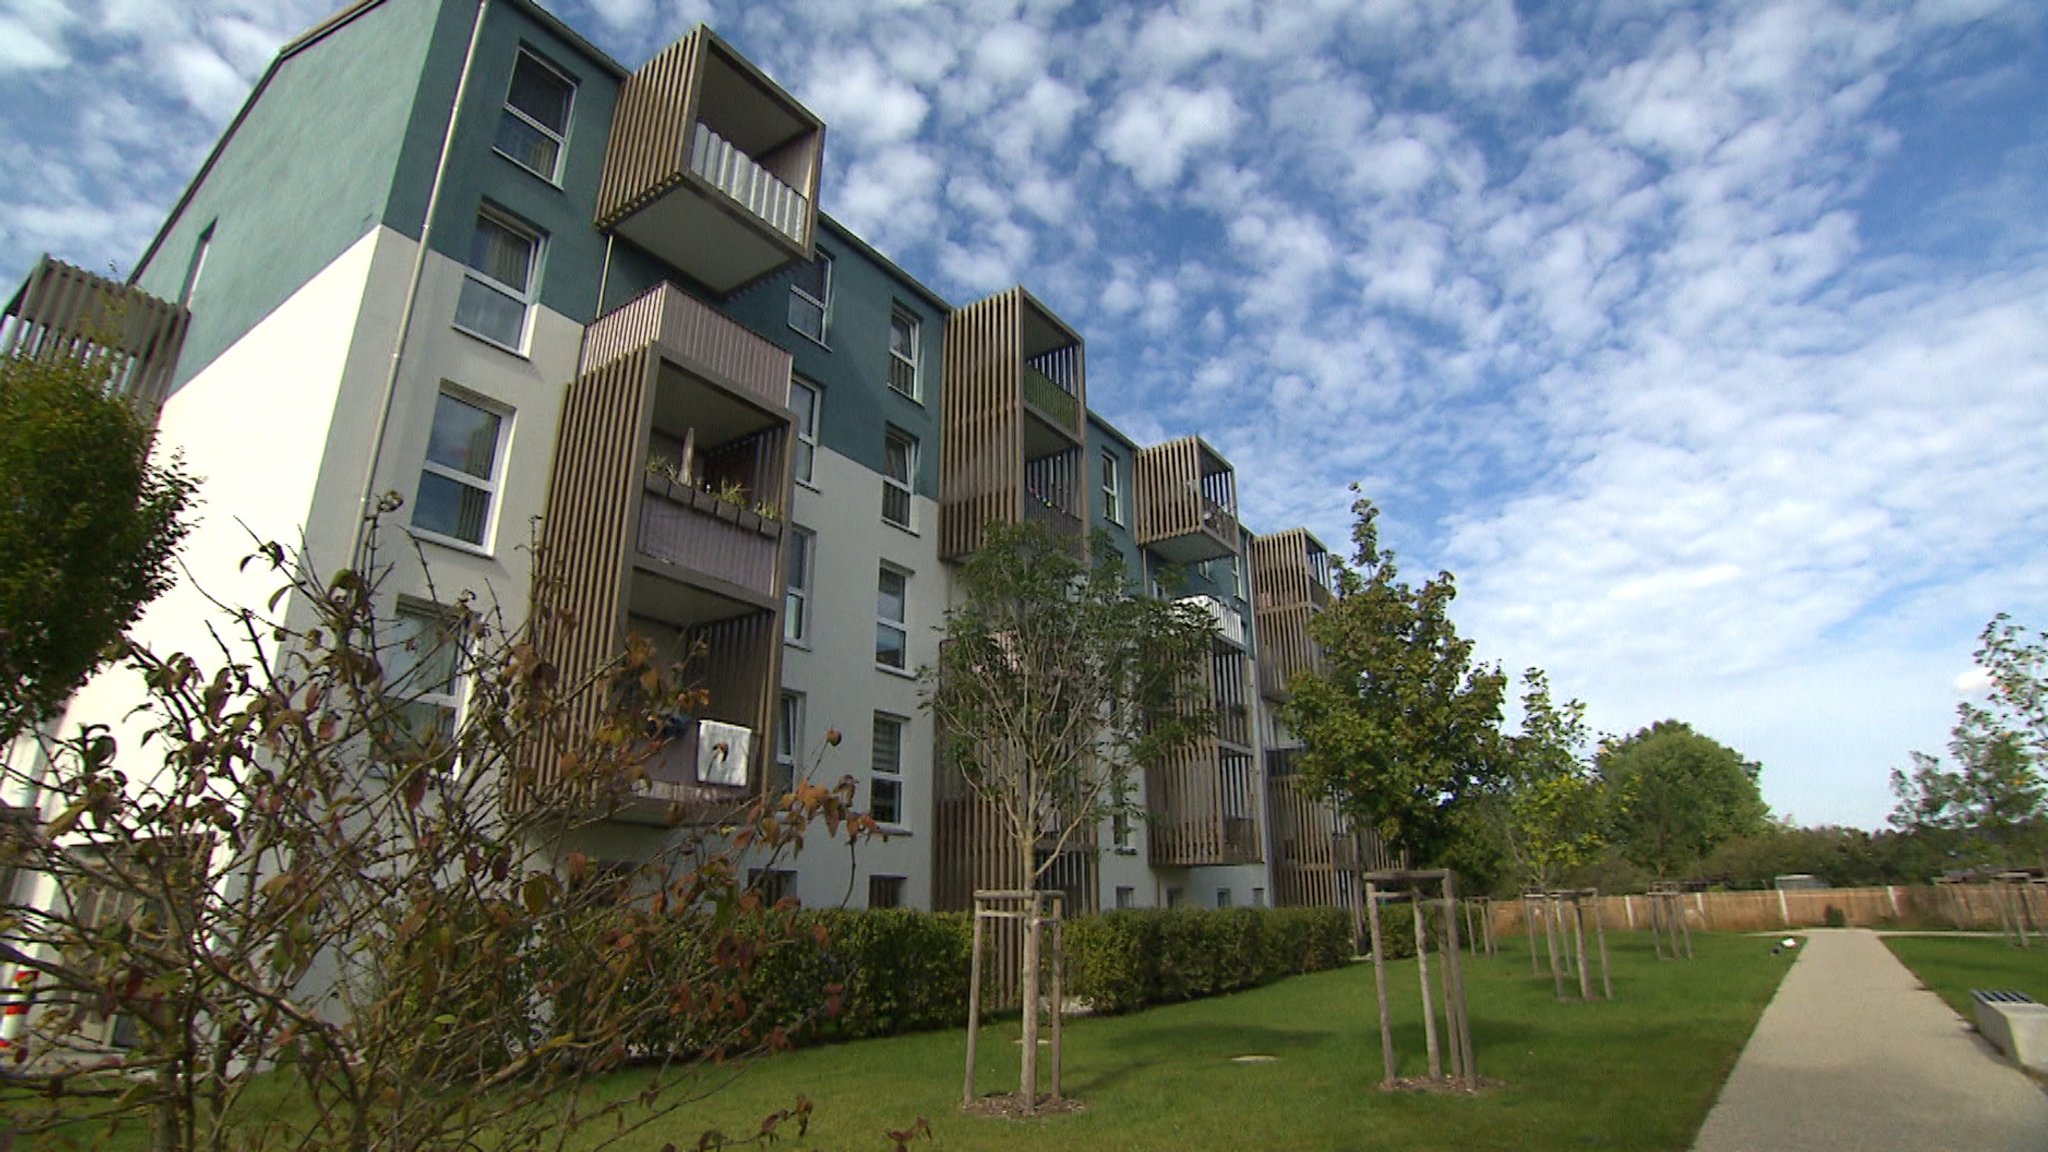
x=1401, y=729
x=310, y=869
x=1844, y=857
x=1677, y=795
x=1552, y=812
x=88, y=526
x=2017, y=660
x=1991, y=809
x=1054, y=686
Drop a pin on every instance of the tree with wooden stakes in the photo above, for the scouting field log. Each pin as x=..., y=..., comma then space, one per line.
x=1054, y=686
x=1428, y=894
x=1401, y=731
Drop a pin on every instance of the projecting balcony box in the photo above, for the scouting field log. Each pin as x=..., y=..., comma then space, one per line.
x=1203, y=810
x=711, y=166
x=65, y=311
x=1015, y=410
x=665, y=518
x=1291, y=582
x=1187, y=501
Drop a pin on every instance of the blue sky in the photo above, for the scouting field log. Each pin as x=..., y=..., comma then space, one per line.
x=1707, y=344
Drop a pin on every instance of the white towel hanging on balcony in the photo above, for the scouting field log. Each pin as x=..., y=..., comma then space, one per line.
x=723, y=753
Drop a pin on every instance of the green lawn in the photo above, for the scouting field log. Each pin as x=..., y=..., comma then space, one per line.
x=1952, y=965
x=1640, y=1072
x=1637, y=1073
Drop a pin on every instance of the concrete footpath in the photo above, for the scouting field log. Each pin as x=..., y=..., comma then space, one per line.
x=1853, y=1053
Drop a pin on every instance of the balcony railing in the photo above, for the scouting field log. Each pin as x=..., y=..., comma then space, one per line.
x=693, y=529
x=1058, y=520
x=1229, y=622
x=694, y=332
x=1045, y=394
x=734, y=173
x=67, y=311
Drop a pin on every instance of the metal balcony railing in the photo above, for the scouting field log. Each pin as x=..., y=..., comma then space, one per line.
x=735, y=173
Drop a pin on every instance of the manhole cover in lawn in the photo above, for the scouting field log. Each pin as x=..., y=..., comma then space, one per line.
x=1254, y=1059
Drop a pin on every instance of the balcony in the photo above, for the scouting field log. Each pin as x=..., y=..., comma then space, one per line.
x=1187, y=501
x=665, y=514
x=1202, y=811
x=1015, y=409
x=65, y=311
x=1229, y=621
x=1291, y=569
x=712, y=166
x=1291, y=582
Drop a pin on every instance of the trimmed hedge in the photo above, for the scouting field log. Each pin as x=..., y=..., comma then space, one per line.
x=848, y=975
x=1123, y=961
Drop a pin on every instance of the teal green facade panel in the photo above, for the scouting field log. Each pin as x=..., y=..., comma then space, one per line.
x=306, y=171
x=572, y=259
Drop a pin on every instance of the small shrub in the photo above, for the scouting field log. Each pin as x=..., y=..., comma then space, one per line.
x=1834, y=917
x=1123, y=961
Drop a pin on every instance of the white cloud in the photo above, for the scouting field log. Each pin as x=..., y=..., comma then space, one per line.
x=1156, y=131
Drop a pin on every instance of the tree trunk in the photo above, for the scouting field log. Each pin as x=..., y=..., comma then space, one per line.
x=1027, y=1083
x=1436, y=1062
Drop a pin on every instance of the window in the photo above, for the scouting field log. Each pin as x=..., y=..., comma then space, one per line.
x=803, y=400
x=885, y=786
x=899, y=464
x=197, y=268
x=1237, y=567
x=459, y=479
x=810, y=298
x=1120, y=832
x=1112, y=494
x=497, y=293
x=1258, y=897
x=892, y=636
x=903, y=352
x=1173, y=897
x=419, y=659
x=885, y=891
x=789, y=740
x=773, y=885
x=796, y=598
x=1126, y=896
x=1223, y=897
x=535, y=127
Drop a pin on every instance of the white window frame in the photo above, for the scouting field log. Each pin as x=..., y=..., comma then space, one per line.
x=904, y=488
x=805, y=399
x=560, y=138
x=796, y=594
x=899, y=626
x=488, y=485
x=789, y=736
x=1112, y=491
x=891, y=776
x=1126, y=897
x=489, y=283
x=898, y=314
x=422, y=619
x=1223, y=898
x=824, y=306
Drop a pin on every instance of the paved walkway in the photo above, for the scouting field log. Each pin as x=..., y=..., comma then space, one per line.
x=1853, y=1054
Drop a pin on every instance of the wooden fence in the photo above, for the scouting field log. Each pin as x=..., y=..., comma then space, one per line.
x=1957, y=906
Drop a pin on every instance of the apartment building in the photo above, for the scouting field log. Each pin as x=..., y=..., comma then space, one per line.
x=450, y=250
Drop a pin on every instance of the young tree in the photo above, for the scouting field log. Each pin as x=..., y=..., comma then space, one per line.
x=1990, y=810
x=314, y=868
x=88, y=526
x=1402, y=729
x=1678, y=794
x=1054, y=685
x=1552, y=811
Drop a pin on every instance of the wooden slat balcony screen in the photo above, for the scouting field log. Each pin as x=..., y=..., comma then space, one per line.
x=586, y=531
x=679, y=118
x=1290, y=569
x=1233, y=717
x=992, y=451
x=1286, y=648
x=1305, y=872
x=65, y=311
x=1202, y=809
x=694, y=335
x=1186, y=501
x=739, y=665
